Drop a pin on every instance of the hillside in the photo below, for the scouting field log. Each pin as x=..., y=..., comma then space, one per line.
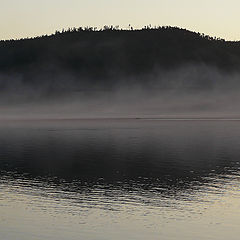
x=80, y=59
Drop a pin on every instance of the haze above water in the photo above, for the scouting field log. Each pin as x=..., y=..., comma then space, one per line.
x=119, y=179
x=189, y=92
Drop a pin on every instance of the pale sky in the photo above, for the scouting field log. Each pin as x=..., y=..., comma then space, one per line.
x=28, y=18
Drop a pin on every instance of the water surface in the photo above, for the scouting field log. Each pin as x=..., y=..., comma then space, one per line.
x=119, y=179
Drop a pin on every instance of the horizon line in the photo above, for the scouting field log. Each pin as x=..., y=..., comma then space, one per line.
x=115, y=28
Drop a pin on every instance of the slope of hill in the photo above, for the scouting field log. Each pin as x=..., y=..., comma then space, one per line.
x=105, y=58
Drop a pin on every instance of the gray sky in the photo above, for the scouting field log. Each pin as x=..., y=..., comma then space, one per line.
x=26, y=18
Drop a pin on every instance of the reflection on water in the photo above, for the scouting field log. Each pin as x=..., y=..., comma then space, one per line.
x=119, y=179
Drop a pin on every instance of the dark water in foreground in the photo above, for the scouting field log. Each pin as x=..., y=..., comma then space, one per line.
x=119, y=179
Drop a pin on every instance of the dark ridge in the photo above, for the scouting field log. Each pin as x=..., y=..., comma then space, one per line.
x=103, y=57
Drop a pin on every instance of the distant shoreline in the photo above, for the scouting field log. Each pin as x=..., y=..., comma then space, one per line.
x=121, y=119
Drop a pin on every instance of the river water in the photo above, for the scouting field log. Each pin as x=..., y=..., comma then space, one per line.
x=120, y=179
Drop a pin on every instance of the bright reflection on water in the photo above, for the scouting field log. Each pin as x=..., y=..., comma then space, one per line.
x=119, y=179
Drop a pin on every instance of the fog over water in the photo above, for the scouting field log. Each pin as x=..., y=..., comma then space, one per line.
x=189, y=91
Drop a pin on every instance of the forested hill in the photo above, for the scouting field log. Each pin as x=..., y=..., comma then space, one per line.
x=109, y=54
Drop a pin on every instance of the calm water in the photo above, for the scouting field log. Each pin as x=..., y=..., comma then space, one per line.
x=119, y=179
